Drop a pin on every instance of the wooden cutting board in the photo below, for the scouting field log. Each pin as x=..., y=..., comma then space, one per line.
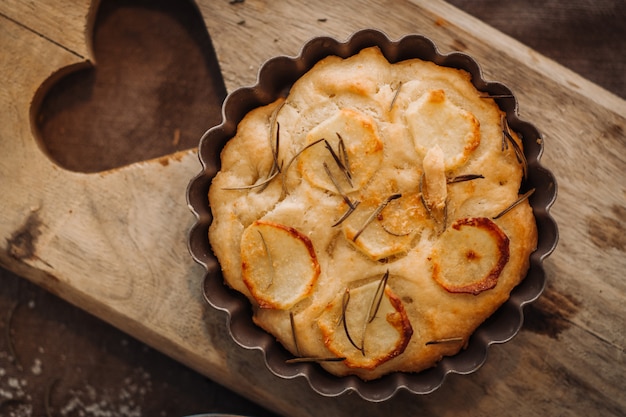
x=114, y=242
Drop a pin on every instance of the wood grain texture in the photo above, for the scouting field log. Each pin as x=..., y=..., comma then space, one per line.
x=585, y=36
x=114, y=242
x=64, y=23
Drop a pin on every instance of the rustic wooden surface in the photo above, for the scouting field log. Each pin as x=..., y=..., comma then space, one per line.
x=112, y=242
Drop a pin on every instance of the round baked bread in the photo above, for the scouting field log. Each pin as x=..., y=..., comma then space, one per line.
x=373, y=217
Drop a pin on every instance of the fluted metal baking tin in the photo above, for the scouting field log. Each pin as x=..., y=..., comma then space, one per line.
x=275, y=78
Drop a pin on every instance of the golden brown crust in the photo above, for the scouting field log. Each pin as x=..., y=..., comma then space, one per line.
x=386, y=171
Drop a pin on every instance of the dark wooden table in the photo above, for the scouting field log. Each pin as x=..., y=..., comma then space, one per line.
x=58, y=360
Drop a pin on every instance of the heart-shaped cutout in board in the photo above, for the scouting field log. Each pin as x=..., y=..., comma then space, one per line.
x=155, y=88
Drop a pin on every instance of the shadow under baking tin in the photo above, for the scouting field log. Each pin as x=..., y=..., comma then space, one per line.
x=275, y=78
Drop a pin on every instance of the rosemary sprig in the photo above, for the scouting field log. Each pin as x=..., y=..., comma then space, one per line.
x=276, y=149
x=253, y=186
x=521, y=158
x=294, y=334
x=275, y=132
x=351, y=205
x=344, y=308
x=395, y=96
x=462, y=178
x=276, y=167
x=514, y=204
x=343, y=155
x=336, y=184
x=340, y=163
x=292, y=160
x=507, y=138
x=422, y=198
x=375, y=214
x=445, y=340
x=314, y=359
x=394, y=233
x=296, y=344
x=371, y=313
x=443, y=221
x=269, y=259
x=504, y=127
x=377, y=299
x=344, y=216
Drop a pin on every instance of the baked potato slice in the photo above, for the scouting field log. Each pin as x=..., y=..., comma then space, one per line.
x=470, y=256
x=349, y=155
x=367, y=325
x=279, y=264
x=384, y=229
x=434, y=120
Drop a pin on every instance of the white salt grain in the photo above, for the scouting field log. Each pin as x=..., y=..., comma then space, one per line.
x=36, y=369
x=14, y=383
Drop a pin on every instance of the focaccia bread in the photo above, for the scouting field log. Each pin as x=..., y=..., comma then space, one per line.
x=373, y=217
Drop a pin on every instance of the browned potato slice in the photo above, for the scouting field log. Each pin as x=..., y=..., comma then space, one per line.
x=364, y=343
x=279, y=265
x=433, y=119
x=404, y=216
x=470, y=255
x=362, y=158
x=389, y=232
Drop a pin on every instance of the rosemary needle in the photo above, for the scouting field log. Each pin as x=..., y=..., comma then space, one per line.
x=343, y=154
x=378, y=297
x=462, y=178
x=276, y=167
x=503, y=128
x=269, y=259
x=446, y=340
x=314, y=359
x=507, y=138
x=336, y=184
x=375, y=214
x=339, y=161
x=514, y=204
x=291, y=161
x=338, y=187
x=275, y=132
x=250, y=187
x=293, y=332
x=344, y=308
x=423, y=198
x=351, y=208
x=395, y=96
